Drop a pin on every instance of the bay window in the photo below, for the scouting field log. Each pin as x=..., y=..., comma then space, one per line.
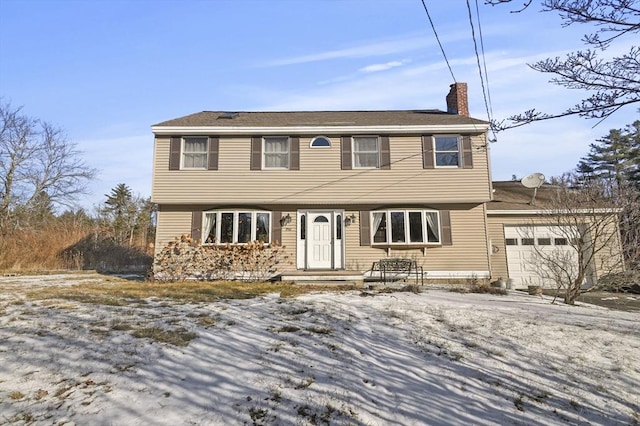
x=411, y=226
x=236, y=227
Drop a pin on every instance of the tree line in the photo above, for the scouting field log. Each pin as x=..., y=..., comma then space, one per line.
x=42, y=175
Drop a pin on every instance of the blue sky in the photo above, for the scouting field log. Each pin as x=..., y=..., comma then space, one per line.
x=106, y=70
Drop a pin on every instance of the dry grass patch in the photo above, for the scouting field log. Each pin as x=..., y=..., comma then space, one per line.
x=121, y=292
x=177, y=337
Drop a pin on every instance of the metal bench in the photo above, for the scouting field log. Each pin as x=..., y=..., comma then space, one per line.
x=391, y=269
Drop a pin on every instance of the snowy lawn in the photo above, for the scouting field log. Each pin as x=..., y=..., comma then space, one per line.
x=357, y=358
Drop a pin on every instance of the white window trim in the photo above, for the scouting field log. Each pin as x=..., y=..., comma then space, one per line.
x=406, y=212
x=320, y=147
x=206, y=152
x=353, y=151
x=435, y=151
x=264, y=153
x=218, y=213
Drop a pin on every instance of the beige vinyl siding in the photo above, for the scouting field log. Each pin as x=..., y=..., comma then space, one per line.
x=320, y=178
x=175, y=221
x=172, y=223
x=467, y=253
x=609, y=259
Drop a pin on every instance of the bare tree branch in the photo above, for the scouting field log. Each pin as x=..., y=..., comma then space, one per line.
x=611, y=83
x=37, y=162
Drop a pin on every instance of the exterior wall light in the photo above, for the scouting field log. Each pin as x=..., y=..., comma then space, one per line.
x=285, y=220
x=350, y=219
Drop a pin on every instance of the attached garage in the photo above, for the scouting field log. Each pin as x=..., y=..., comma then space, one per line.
x=526, y=245
x=522, y=230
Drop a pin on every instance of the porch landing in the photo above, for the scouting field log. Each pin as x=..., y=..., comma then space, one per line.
x=323, y=277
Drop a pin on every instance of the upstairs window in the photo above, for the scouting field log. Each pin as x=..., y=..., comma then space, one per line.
x=366, y=152
x=236, y=227
x=276, y=153
x=447, y=151
x=194, y=152
x=320, y=142
x=405, y=227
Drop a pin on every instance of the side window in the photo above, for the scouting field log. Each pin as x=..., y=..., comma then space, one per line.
x=276, y=153
x=194, y=152
x=366, y=152
x=447, y=151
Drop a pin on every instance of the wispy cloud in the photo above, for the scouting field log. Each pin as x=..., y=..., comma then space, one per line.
x=385, y=66
x=363, y=51
x=396, y=46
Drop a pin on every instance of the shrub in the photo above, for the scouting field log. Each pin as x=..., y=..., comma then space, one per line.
x=100, y=251
x=184, y=259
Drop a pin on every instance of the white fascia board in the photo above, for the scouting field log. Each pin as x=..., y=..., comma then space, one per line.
x=313, y=130
x=553, y=212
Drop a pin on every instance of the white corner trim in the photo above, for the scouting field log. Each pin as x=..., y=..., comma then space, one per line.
x=313, y=130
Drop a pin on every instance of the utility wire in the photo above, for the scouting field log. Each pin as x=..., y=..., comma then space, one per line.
x=438, y=39
x=484, y=61
x=482, y=77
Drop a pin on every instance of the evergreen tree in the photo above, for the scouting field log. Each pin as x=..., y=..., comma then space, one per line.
x=614, y=161
x=122, y=213
x=614, y=158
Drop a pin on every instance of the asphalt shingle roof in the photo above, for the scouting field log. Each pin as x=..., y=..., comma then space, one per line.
x=512, y=195
x=319, y=118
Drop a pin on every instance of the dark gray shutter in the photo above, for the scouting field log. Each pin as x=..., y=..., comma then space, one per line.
x=345, y=151
x=365, y=229
x=294, y=153
x=276, y=228
x=196, y=226
x=445, y=225
x=214, y=146
x=256, y=153
x=427, y=152
x=467, y=153
x=385, y=155
x=174, y=153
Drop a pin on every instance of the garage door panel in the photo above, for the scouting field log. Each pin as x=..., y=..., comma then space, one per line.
x=523, y=262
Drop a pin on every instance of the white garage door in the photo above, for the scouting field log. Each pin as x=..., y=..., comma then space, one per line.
x=523, y=245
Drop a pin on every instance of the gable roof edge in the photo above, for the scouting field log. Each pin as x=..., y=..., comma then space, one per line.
x=395, y=129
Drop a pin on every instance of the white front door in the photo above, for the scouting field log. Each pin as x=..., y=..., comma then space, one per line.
x=320, y=240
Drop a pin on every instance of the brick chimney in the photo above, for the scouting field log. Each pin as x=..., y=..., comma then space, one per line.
x=457, y=101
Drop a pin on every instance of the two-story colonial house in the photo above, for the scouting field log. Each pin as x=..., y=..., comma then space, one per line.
x=339, y=189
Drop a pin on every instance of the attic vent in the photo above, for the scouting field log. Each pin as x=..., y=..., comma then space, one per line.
x=228, y=115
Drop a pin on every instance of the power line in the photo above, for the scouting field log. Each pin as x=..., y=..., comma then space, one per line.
x=438, y=39
x=484, y=61
x=485, y=88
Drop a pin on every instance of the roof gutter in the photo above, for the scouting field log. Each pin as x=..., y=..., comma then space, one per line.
x=312, y=130
x=552, y=212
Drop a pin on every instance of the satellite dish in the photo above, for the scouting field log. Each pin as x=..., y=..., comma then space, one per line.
x=534, y=180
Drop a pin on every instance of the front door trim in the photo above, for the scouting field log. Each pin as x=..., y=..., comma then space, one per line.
x=333, y=258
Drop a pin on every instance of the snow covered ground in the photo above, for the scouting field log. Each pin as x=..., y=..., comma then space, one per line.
x=356, y=358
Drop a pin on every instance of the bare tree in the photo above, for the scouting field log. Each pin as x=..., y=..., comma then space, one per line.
x=37, y=162
x=586, y=222
x=612, y=83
